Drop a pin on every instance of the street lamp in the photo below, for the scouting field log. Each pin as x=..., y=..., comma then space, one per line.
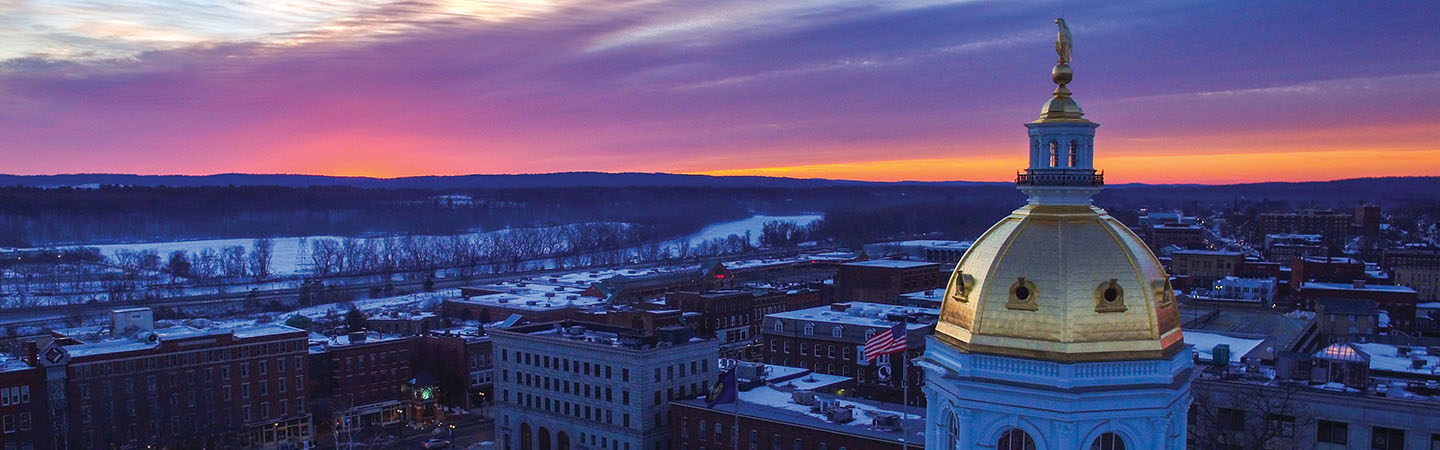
x=452, y=431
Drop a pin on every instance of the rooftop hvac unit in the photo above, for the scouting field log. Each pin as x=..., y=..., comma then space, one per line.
x=549, y=295
x=750, y=371
x=841, y=414
x=532, y=302
x=576, y=329
x=806, y=398
x=824, y=404
x=1220, y=355
x=888, y=422
x=572, y=297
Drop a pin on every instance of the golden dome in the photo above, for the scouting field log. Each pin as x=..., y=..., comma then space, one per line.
x=1060, y=282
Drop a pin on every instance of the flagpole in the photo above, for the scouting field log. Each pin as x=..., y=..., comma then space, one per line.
x=735, y=438
x=905, y=400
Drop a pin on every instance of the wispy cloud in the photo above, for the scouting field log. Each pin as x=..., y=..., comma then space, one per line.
x=454, y=86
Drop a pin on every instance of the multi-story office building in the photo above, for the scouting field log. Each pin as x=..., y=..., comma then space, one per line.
x=135, y=386
x=1178, y=235
x=829, y=339
x=582, y=385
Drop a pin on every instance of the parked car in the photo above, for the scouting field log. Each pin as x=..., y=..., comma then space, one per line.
x=437, y=443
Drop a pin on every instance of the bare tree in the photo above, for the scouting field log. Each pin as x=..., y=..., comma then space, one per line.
x=260, y=255
x=1235, y=414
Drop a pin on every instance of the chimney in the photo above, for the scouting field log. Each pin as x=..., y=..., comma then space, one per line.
x=32, y=353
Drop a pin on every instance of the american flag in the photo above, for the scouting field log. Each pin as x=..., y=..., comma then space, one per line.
x=891, y=341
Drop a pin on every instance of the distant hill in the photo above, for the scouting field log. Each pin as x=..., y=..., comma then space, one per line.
x=1406, y=187
x=516, y=181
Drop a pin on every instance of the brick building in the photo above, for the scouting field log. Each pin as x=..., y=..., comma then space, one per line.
x=883, y=280
x=1185, y=236
x=24, y=421
x=733, y=316
x=1331, y=225
x=1398, y=301
x=1204, y=267
x=462, y=360
x=136, y=386
x=828, y=340
x=1415, y=267
x=776, y=418
x=358, y=378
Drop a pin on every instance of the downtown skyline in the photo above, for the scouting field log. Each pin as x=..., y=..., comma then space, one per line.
x=883, y=91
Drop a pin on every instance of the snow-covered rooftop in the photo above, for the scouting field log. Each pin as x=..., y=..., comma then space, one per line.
x=1353, y=287
x=860, y=313
x=891, y=263
x=1205, y=344
x=532, y=297
x=774, y=403
x=1387, y=357
x=108, y=344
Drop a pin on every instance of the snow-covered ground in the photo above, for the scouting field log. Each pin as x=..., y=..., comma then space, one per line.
x=753, y=224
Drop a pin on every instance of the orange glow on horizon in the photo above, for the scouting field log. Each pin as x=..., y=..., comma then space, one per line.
x=1222, y=168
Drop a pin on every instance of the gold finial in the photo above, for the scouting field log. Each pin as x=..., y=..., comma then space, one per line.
x=1062, y=72
x=1062, y=108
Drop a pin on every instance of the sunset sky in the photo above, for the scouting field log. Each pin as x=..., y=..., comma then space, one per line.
x=872, y=90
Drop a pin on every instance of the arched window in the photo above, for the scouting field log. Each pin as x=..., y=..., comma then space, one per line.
x=952, y=433
x=544, y=439
x=1015, y=439
x=1108, y=441
x=869, y=334
x=835, y=332
x=564, y=441
x=1072, y=153
x=809, y=329
x=779, y=326
x=1054, y=154
x=525, y=438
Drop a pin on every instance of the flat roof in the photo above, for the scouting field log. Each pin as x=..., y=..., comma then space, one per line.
x=1208, y=252
x=1386, y=357
x=1351, y=287
x=108, y=344
x=859, y=313
x=529, y=296
x=891, y=263
x=775, y=404
x=1205, y=343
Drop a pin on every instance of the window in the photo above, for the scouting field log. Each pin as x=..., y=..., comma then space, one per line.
x=845, y=353
x=775, y=442
x=809, y=329
x=803, y=349
x=1072, y=164
x=702, y=430
x=779, y=326
x=754, y=440
x=1014, y=438
x=799, y=445
x=1382, y=438
x=787, y=347
x=719, y=433
x=1281, y=425
x=1231, y=419
x=684, y=427
x=1108, y=441
x=830, y=352
x=836, y=332
x=869, y=334
x=1054, y=154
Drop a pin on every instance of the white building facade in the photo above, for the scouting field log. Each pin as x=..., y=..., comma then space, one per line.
x=574, y=385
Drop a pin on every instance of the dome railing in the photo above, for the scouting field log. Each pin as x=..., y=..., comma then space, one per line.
x=1048, y=178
